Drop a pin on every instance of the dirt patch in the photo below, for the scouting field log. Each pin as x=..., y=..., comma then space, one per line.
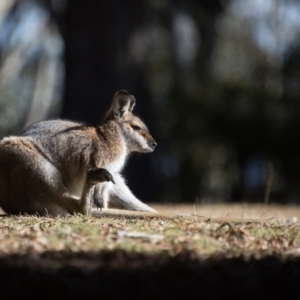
x=238, y=211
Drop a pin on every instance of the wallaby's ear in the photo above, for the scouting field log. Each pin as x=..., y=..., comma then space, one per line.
x=123, y=103
x=132, y=102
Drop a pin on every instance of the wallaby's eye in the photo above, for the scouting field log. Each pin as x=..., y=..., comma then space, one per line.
x=136, y=128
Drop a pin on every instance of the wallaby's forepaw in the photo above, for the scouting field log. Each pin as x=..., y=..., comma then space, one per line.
x=98, y=202
x=97, y=175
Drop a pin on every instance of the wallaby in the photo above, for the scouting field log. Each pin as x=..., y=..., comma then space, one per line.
x=60, y=167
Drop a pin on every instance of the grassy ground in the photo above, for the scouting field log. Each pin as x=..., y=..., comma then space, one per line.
x=242, y=249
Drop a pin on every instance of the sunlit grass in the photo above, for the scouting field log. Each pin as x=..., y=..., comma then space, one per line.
x=208, y=237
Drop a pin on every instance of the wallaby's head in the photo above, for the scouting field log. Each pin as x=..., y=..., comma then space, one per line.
x=135, y=132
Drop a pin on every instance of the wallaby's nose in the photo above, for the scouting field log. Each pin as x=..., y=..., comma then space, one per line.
x=154, y=144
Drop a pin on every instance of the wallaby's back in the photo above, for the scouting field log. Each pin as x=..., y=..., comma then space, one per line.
x=72, y=145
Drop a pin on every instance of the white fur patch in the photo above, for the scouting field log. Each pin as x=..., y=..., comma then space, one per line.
x=51, y=172
x=117, y=165
x=144, y=144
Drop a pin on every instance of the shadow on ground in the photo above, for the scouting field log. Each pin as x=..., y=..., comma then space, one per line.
x=129, y=275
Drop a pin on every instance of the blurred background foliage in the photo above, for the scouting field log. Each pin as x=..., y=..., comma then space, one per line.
x=218, y=83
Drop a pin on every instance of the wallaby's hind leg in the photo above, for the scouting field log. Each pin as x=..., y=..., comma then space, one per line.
x=22, y=186
x=31, y=184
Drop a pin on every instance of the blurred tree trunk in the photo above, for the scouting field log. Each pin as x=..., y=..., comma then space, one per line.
x=205, y=14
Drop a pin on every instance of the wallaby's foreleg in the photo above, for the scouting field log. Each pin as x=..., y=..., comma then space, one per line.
x=95, y=176
x=119, y=196
x=101, y=191
x=101, y=195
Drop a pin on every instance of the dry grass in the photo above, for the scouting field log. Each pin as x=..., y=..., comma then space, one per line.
x=211, y=231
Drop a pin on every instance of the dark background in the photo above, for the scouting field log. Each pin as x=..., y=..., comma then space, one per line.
x=216, y=81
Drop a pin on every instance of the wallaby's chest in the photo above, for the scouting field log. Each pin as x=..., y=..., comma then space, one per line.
x=118, y=163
